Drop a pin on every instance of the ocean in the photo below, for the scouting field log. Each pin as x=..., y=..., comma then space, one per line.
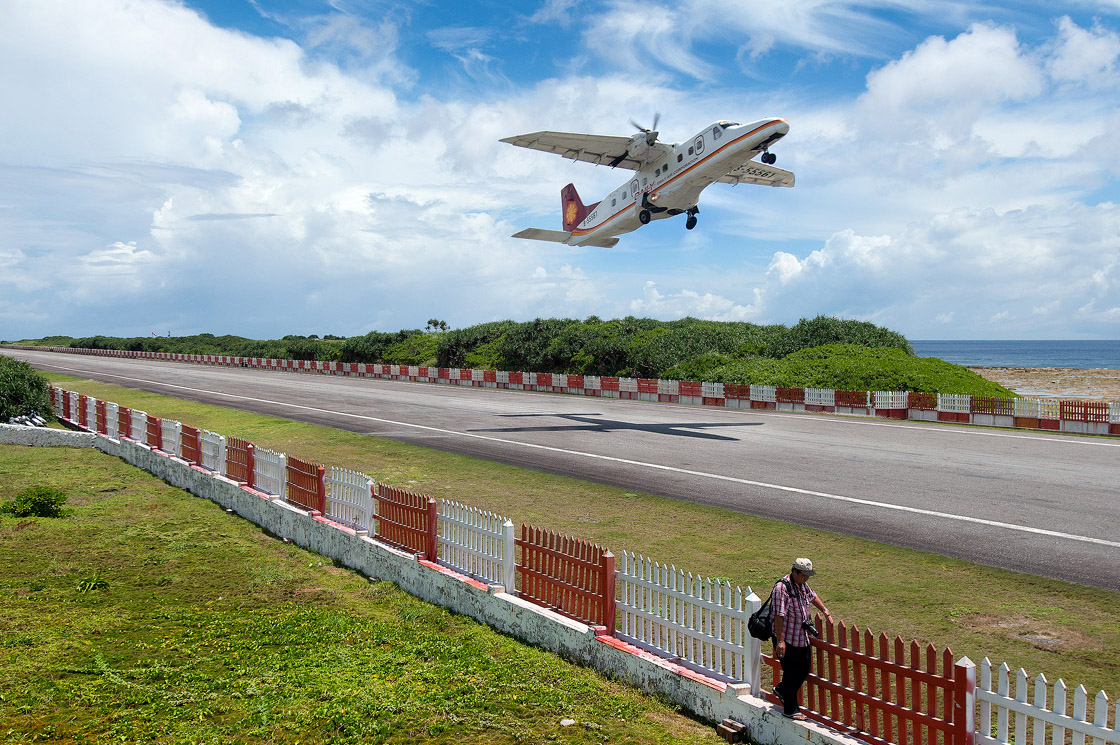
x=1084, y=355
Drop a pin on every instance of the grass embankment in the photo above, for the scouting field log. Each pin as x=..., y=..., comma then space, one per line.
x=822, y=352
x=150, y=615
x=1049, y=626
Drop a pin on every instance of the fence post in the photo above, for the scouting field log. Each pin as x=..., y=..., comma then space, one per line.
x=251, y=458
x=322, y=475
x=754, y=649
x=607, y=592
x=433, y=535
x=509, y=560
x=964, y=702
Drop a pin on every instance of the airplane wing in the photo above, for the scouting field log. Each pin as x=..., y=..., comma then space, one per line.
x=753, y=172
x=598, y=149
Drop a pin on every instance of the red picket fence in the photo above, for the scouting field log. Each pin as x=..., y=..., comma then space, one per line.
x=1083, y=411
x=102, y=425
x=992, y=405
x=154, y=433
x=406, y=520
x=306, y=484
x=571, y=576
x=790, y=395
x=124, y=421
x=239, y=460
x=923, y=401
x=880, y=697
x=852, y=399
x=191, y=447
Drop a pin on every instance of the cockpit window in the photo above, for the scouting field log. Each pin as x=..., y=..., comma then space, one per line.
x=725, y=125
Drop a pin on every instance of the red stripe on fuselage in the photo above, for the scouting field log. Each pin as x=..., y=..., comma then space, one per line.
x=706, y=158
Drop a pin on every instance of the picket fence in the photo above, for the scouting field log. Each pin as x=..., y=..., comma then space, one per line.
x=1032, y=716
x=696, y=620
x=883, y=692
x=1083, y=417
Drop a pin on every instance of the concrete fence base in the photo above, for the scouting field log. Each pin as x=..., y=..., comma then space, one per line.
x=704, y=697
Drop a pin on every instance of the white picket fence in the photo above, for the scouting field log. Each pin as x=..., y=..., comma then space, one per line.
x=171, y=432
x=892, y=400
x=91, y=413
x=820, y=397
x=213, y=451
x=349, y=498
x=699, y=621
x=477, y=543
x=270, y=472
x=957, y=403
x=1032, y=716
x=111, y=424
x=139, y=424
x=767, y=393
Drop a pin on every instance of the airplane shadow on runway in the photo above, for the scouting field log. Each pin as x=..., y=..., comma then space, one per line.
x=586, y=423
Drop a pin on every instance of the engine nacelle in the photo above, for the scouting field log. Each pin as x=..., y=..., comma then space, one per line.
x=638, y=149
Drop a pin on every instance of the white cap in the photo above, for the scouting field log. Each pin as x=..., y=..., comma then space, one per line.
x=804, y=566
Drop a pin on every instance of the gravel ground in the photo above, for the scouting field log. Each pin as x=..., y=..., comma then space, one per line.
x=1056, y=382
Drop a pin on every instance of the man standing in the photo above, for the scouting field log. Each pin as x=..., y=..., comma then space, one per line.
x=791, y=616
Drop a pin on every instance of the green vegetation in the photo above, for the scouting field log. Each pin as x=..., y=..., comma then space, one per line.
x=38, y=501
x=153, y=616
x=1049, y=626
x=23, y=391
x=842, y=366
x=852, y=354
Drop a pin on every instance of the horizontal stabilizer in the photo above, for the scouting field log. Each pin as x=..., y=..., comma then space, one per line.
x=559, y=236
x=540, y=234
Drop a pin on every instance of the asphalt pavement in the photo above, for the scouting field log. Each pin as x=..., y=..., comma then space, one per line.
x=1043, y=503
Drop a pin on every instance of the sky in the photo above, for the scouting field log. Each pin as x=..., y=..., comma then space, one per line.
x=264, y=168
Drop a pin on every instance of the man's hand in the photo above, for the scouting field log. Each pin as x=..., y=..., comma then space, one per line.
x=781, y=648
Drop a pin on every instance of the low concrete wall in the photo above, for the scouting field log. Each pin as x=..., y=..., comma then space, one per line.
x=18, y=434
x=708, y=699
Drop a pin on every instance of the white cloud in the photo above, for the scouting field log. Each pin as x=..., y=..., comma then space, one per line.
x=689, y=303
x=1085, y=56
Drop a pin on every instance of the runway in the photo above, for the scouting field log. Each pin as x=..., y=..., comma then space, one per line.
x=1042, y=503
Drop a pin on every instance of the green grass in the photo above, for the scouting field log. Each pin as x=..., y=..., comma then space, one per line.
x=1048, y=626
x=151, y=615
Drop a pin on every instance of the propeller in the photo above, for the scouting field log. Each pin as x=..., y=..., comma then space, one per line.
x=650, y=133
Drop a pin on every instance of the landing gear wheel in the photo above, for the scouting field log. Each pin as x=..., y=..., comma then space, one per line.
x=769, y=158
x=690, y=223
x=644, y=217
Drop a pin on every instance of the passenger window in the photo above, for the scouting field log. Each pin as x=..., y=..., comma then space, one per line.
x=690, y=149
x=613, y=202
x=643, y=183
x=680, y=157
x=657, y=172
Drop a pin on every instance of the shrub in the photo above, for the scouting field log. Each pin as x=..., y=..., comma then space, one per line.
x=23, y=391
x=38, y=501
x=830, y=330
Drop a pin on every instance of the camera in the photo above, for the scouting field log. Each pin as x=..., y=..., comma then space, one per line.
x=810, y=628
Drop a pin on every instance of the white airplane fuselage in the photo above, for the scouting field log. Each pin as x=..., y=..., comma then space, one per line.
x=671, y=184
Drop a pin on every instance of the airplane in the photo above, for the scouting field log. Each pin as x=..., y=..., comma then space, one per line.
x=668, y=178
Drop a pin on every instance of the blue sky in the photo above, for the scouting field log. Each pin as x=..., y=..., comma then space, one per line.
x=264, y=168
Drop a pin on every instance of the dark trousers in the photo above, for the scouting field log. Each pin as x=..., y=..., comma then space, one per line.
x=795, y=669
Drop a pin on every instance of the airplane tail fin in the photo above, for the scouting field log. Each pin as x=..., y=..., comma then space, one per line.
x=572, y=209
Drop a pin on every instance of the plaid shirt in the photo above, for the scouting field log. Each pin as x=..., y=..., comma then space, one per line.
x=794, y=609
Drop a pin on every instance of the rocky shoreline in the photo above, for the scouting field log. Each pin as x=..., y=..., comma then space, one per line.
x=1056, y=382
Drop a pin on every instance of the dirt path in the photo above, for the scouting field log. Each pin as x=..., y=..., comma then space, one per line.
x=1056, y=382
